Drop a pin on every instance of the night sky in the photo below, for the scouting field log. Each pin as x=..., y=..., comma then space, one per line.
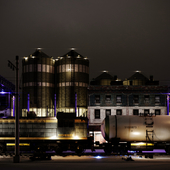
x=120, y=36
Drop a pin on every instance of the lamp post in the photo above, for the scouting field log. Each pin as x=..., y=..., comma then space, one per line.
x=16, y=158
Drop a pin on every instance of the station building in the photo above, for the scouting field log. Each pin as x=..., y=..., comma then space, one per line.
x=137, y=95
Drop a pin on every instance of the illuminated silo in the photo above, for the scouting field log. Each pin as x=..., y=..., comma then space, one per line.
x=72, y=76
x=38, y=84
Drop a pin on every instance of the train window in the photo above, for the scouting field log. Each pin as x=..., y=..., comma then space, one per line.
x=97, y=113
x=108, y=98
x=97, y=98
x=157, y=99
x=118, y=99
x=157, y=111
x=118, y=112
x=135, y=112
x=136, y=99
x=108, y=112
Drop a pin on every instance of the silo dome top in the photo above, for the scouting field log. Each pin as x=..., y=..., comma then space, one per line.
x=39, y=54
x=74, y=54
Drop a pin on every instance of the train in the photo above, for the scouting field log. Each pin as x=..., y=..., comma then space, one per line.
x=68, y=132
x=138, y=133
x=41, y=134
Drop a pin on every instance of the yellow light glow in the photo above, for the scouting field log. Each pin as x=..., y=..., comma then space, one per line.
x=142, y=144
x=135, y=133
x=75, y=137
x=21, y=144
x=26, y=58
x=53, y=137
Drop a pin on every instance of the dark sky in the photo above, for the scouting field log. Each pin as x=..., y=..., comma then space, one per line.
x=120, y=36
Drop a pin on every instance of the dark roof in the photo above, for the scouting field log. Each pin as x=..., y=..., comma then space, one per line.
x=104, y=75
x=138, y=76
x=73, y=53
x=39, y=54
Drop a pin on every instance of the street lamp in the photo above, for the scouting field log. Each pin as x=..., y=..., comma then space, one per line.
x=16, y=158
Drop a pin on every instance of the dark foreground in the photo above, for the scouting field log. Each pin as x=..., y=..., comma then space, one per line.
x=87, y=163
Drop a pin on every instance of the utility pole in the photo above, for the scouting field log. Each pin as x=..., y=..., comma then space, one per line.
x=16, y=158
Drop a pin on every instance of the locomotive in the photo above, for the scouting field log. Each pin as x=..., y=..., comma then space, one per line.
x=139, y=133
x=41, y=134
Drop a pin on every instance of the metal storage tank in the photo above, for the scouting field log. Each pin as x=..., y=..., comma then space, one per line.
x=72, y=76
x=38, y=84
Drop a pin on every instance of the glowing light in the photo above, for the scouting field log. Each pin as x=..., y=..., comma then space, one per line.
x=72, y=48
x=76, y=137
x=98, y=157
x=21, y=144
x=26, y=58
x=85, y=58
x=105, y=71
x=53, y=137
x=39, y=48
x=135, y=133
x=2, y=92
x=142, y=144
x=137, y=71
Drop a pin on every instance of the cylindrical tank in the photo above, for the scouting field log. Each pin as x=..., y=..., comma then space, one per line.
x=38, y=84
x=135, y=128
x=72, y=76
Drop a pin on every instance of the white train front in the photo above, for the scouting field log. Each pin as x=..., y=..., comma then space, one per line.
x=133, y=129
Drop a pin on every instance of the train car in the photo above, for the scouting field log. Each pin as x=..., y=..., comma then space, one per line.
x=136, y=132
x=40, y=134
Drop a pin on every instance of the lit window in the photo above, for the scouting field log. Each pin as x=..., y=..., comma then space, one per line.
x=118, y=99
x=48, y=68
x=64, y=67
x=118, y=112
x=39, y=67
x=135, y=112
x=80, y=68
x=76, y=67
x=43, y=68
x=108, y=112
x=97, y=98
x=157, y=99
x=97, y=113
x=108, y=98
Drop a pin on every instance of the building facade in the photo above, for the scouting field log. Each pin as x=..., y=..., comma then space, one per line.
x=118, y=99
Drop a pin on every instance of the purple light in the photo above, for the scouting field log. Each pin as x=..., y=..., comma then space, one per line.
x=13, y=106
x=4, y=92
x=167, y=104
x=155, y=151
x=76, y=103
